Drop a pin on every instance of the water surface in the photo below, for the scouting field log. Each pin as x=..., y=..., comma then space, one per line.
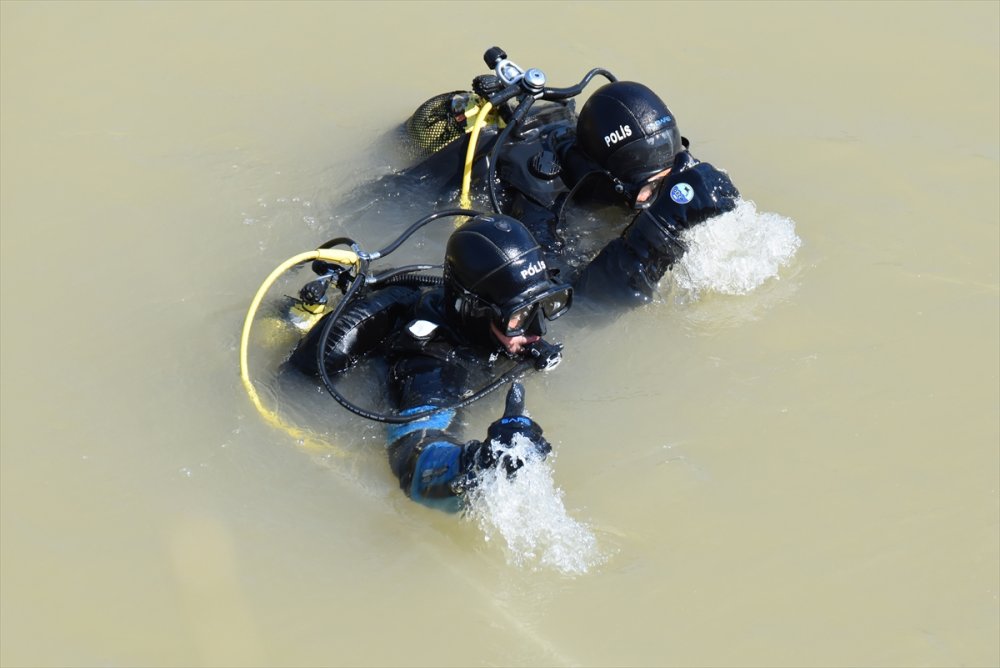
x=804, y=474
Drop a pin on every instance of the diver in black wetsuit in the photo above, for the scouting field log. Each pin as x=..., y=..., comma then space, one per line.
x=440, y=343
x=624, y=148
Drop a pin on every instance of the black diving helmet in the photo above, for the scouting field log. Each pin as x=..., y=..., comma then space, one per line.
x=629, y=131
x=495, y=273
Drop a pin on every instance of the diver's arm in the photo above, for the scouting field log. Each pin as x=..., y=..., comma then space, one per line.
x=627, y=270
x=435, y=467
x=427, y=456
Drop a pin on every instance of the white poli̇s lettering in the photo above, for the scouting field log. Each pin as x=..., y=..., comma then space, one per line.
x=533, y=269
x=623, y=132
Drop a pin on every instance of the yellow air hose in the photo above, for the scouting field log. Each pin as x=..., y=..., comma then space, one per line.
x=305, y=439
x=465, y=200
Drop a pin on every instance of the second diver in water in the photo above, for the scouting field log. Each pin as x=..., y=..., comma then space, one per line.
x=486, y=321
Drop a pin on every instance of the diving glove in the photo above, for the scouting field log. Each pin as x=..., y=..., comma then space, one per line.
x=496, y=449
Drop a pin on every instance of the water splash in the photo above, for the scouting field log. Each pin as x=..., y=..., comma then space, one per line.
x=528, y=513
x=737, y=252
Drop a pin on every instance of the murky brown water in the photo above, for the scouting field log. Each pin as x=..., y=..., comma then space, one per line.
x=804, y=475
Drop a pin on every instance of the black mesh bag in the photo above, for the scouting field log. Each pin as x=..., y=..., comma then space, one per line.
x=441, y=119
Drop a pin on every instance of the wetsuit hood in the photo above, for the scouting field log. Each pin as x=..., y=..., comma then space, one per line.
x=492, y=266
x=629, y=131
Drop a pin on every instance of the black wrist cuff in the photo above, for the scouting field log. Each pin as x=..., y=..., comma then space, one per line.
x=652, y=239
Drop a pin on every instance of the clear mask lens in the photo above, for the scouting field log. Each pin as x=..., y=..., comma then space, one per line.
x=556, y=304
x=553, y=305
x=518, y=320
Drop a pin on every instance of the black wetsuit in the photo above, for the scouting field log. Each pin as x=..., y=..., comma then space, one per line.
x=430, y=365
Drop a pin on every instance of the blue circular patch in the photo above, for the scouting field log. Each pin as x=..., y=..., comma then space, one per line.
x=682, y=193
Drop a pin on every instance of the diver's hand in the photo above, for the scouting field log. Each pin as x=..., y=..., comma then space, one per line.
x=496, y=449
x=500, y=440
x=692, y=196
x=666, y=211
x=500, y=435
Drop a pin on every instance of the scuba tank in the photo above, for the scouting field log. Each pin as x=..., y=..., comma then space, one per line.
x=503, y=105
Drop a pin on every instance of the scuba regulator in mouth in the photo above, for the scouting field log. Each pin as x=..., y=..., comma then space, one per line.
x=547, y=356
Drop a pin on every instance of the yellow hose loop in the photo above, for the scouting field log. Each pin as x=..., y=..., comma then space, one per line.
x=304, y=438
x=465, y=200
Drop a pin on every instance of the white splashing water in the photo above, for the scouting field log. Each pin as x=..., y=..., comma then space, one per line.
x=736, y=252
x=528, y=513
